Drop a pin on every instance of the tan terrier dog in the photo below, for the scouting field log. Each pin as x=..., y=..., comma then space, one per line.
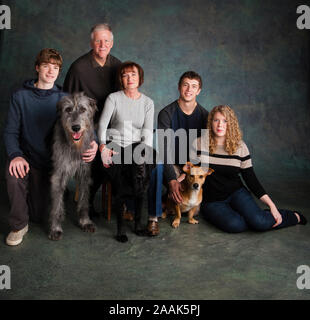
x=191, y=192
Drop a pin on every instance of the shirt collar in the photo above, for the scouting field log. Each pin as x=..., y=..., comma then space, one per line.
x=95, y=64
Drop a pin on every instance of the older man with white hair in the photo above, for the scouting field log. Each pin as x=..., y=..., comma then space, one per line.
x=95, y=73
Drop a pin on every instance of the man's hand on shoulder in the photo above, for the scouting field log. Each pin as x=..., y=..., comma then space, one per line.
x=90, y=154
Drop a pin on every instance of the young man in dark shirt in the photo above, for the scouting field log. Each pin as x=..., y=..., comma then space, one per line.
x=185, y=113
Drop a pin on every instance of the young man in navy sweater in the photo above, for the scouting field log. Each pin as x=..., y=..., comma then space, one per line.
x=27, y=138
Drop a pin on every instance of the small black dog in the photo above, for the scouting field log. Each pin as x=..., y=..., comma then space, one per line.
x=131, y=181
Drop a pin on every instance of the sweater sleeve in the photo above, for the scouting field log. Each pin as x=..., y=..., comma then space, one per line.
x=199, y=152
x=252, y=182
x=248, y=173
x=164, y=122
x=147, y=130
x=11, y=132
x=105, y=118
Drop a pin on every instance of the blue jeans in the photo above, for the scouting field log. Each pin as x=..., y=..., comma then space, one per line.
x=239, y=212
x=155, y=191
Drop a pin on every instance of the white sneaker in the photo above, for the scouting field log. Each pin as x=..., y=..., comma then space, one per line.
x=15, y=238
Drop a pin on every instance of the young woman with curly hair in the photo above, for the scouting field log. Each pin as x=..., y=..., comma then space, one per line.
x=226, y=201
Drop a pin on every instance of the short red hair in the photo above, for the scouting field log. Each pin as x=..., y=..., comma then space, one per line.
x=130, y=65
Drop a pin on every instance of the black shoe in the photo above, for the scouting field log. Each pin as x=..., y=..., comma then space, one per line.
x=121, y=238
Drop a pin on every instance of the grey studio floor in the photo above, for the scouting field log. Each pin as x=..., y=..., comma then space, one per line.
x=189, y=263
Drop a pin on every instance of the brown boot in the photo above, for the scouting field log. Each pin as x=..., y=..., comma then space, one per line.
x=152, y=228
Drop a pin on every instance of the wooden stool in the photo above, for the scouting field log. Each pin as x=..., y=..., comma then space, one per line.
x=106, y=188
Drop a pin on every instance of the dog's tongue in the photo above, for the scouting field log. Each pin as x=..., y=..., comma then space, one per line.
x=76, y=135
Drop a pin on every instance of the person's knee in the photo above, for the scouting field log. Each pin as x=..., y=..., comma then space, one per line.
x=232, y=225
x=257, y=223
x=14, y=183
x=235, y=226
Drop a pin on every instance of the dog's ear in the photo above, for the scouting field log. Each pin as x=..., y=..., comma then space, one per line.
x=210, y=171
x=93, y=104
x=187, y=167
x=59, y=104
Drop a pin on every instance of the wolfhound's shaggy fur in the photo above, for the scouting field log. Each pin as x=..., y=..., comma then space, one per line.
x=73, y=134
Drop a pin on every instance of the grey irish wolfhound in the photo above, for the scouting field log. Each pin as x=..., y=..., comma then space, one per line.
x=73, y=133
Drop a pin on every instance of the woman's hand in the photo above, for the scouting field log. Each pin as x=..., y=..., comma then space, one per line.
x=106, y=157
x=90, y=154
x=273, y=209
x=277, y=216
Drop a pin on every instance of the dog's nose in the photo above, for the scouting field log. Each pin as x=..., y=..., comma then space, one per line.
x=76, y=128
x=195, y=185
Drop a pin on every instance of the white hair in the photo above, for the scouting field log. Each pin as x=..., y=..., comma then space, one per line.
x=100, y=26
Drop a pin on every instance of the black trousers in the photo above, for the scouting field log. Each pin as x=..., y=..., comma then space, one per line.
x=29, y=197
x=98, y=177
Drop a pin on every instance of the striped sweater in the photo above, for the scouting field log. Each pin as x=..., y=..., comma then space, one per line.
x=227, y=170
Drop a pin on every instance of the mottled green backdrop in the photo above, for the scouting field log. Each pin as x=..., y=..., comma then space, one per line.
x=250, y=55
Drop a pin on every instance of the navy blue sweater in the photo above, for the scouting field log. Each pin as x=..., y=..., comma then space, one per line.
x=30, y=122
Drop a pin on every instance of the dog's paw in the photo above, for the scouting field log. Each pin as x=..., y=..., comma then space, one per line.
x=193, y=221
x=121, y=238
x=89, y=227
x=55, y=235
x=176, y=223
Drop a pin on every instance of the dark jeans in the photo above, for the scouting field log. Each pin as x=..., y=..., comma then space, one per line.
x=239, y=212
x=29, y=197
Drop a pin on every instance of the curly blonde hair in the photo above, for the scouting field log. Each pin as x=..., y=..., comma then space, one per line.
x=233, y=131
